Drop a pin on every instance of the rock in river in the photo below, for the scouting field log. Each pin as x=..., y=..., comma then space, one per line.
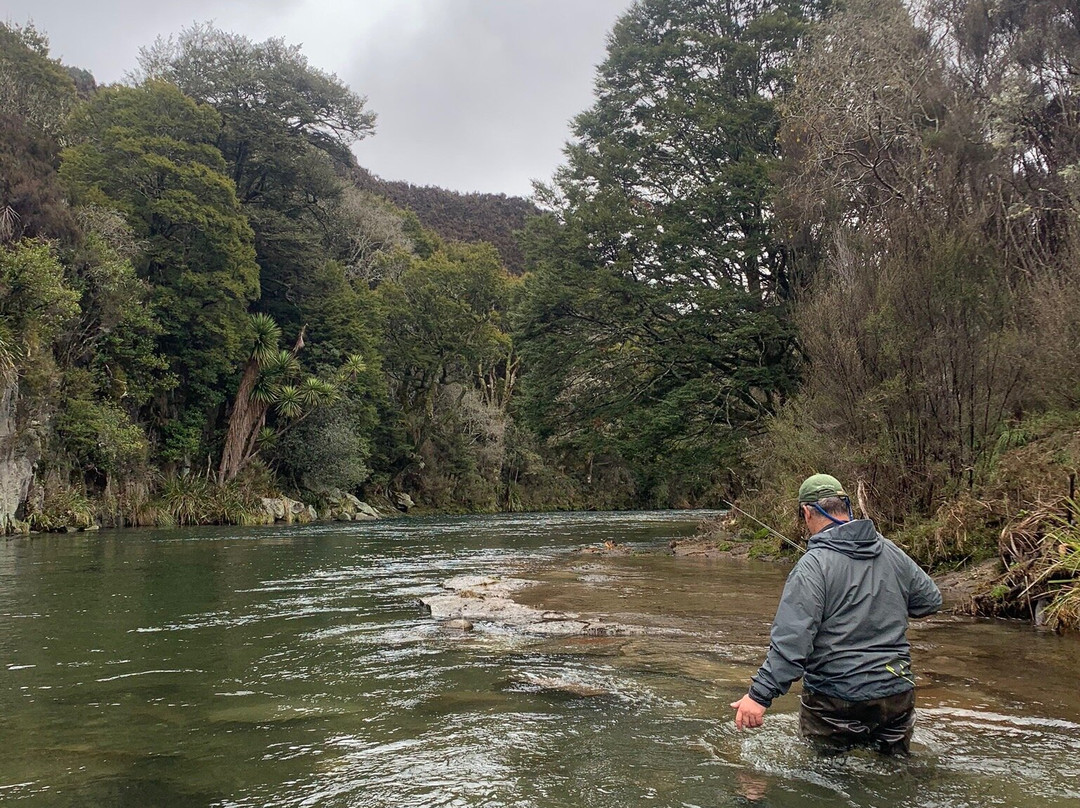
x=458, y=624
x=479, y=598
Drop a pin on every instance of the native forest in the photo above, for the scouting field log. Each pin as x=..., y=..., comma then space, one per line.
x=786, y=237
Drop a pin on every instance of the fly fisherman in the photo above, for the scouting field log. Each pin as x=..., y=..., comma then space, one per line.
x=842, y=624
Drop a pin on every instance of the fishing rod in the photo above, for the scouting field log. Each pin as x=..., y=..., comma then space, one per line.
x=775, y=532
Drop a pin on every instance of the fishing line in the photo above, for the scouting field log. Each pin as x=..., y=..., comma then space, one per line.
x=775, y=532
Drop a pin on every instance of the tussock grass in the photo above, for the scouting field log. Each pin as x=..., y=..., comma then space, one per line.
x=196, y=500
x=1040, y=552
x=62, y=507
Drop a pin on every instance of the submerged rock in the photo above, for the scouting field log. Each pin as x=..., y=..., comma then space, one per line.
x=607, y=548
x=480, y=598
x=458, y=623
x=556, y=684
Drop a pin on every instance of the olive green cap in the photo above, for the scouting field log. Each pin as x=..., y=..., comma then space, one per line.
x=819, y=487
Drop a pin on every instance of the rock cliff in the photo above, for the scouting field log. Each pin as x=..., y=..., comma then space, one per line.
x=20, y=450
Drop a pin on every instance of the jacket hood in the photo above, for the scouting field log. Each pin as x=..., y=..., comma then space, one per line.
x=856, y=539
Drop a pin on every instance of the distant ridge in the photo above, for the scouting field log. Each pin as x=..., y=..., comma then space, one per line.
x=457, y=216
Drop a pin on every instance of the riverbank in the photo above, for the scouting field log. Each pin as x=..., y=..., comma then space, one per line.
x=196, y=501
x=964, y=589
x=1008, y=527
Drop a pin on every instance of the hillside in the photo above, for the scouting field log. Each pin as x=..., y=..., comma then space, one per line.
x=456, y=216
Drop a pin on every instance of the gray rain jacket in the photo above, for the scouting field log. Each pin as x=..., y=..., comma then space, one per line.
x=842, y=620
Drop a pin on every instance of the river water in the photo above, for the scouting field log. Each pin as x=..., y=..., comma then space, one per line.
x=291, y=667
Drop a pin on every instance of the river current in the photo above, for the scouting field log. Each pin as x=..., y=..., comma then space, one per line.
x=292, y=667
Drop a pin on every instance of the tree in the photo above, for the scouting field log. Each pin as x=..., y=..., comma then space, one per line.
x=108, y=366
x=928, y=167
x=444, y=324
x=149, y=152
x=329, y=450
x=369, y=237
x=271, y=101
x=453, y=216
x=269, y=384
x=36, y=303
x=33, y=86
x=284, y=128
x=36, y=96
x=32, y=202
x=445, y=344
x=654, y=325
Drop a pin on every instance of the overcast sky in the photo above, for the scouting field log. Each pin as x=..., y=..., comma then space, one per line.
x=474, y=95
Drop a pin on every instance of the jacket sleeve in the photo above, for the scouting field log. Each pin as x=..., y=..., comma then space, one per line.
x=923, y=597
x=797, y=620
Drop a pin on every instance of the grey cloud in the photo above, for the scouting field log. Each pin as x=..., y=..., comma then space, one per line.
x=105, y=37
x=470, y=94
x=480, y=97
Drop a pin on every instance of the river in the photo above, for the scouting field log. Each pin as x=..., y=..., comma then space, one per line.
x=292, y=667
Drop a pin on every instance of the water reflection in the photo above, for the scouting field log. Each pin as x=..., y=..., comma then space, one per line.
x=292, y=668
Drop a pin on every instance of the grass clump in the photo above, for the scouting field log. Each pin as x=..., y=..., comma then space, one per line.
x=195, y=500
x=1040, y=551
x=62, y=507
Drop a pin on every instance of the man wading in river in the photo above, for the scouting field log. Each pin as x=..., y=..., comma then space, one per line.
x=842, y=624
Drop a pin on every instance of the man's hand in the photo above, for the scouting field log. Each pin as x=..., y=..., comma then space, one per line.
x=748, y=713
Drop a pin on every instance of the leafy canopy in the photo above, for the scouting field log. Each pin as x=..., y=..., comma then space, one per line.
x=148, y=152
x=654, y=325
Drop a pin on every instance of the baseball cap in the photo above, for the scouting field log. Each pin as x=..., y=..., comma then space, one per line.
x=819, y=487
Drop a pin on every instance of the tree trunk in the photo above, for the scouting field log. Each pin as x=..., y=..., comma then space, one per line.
x=247, y=417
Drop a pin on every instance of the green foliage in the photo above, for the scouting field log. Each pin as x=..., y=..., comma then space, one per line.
x=532, y=480
x=267, y=92
x=148, y=151
x=271, y=384
x=453, y=216
x=443, y=321
x=450, y=368
x=36, y=302
x=1064, y=611
x=920, y=154
x=267, y=335
x=62, y=507
x=327, y=451
x=32, y=203
x=117, y=333
x=369, y=236
x=188, y=500
x=99, y=436
x=288, y=401
x=342, y=318
x=180, y=439
x=194, y=500
x=284, y=129
x=33, y=86
x=444, y=317
x=653, y=326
